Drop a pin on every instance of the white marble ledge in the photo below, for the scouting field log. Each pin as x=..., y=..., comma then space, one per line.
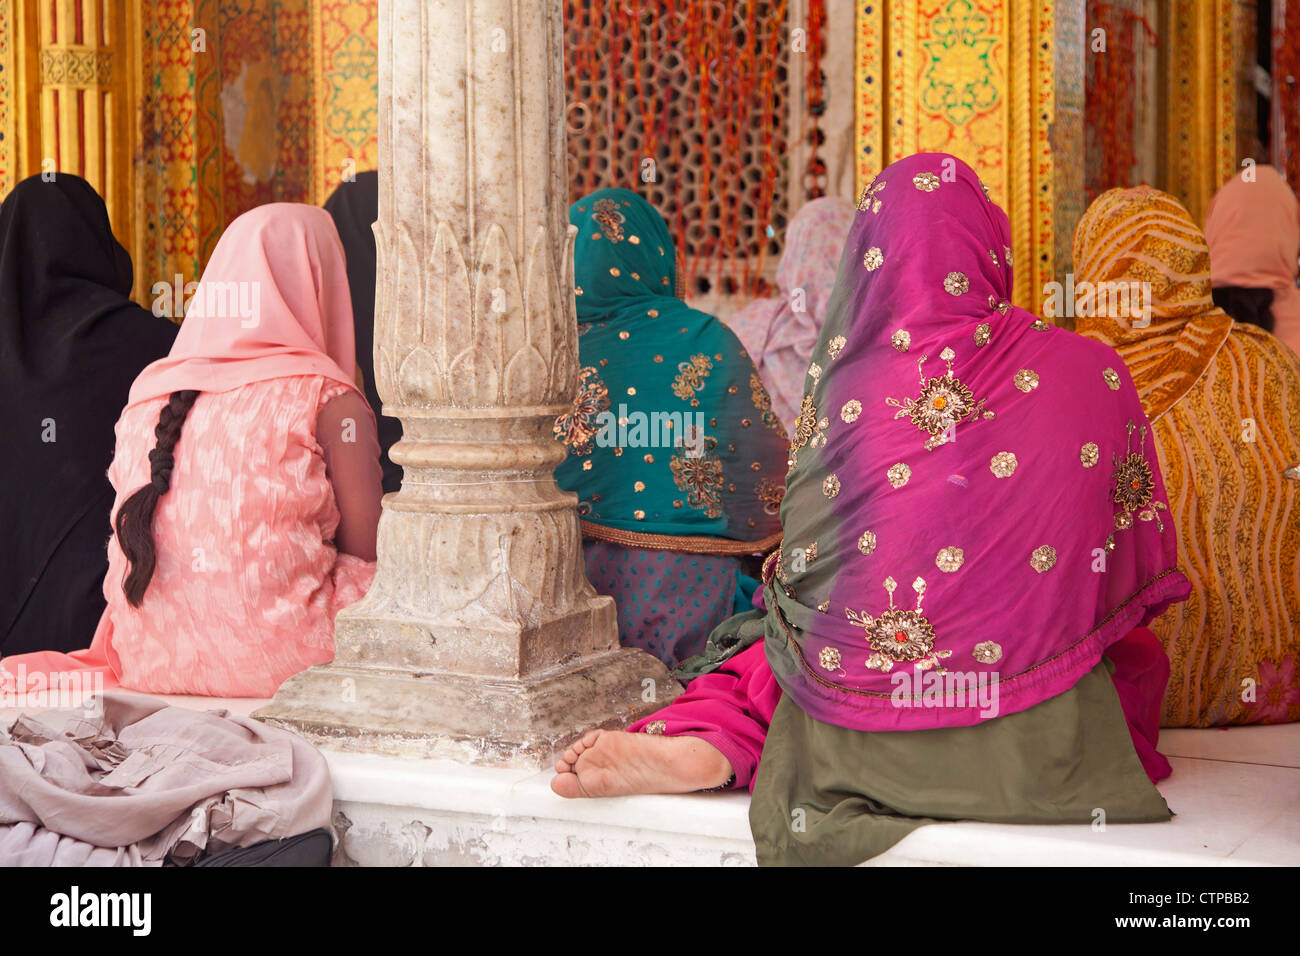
x=431, y=813
x=1235, y=792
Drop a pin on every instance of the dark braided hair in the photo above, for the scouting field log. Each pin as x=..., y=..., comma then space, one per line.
x=135, y=518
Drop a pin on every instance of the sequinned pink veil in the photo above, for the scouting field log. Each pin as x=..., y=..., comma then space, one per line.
x=954, y=544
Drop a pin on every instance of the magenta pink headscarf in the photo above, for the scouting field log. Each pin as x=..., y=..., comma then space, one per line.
x=1002, y=545
x=287, y=260
x=778, y=335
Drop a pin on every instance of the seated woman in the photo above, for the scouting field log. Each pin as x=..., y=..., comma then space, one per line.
x=71, y=341
x=247, y=477
x=780, y=332
x=355, y=207
x=1224, y=403
x=975, y=536
x=1253, y=231
x=673, y=447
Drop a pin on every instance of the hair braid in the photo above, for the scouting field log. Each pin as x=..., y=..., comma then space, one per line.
x=134, y=523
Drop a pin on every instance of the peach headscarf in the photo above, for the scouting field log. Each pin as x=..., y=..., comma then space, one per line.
x=1253, y=229
x=1145, y=235
x=273, y=302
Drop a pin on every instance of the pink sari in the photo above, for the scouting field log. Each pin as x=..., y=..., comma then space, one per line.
x=780, y=332
x=268, y=339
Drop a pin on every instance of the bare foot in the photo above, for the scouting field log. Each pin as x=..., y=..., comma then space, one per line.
x=614, y=763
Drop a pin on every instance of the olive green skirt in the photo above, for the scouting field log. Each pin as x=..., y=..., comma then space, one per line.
x=828, y=796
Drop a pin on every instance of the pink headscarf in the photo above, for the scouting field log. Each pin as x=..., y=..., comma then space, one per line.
x=1013, y=548
x=1253, y=230
x=778, y=336
x=273, y=302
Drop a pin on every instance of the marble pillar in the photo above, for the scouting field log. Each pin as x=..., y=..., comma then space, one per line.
x=481, y=639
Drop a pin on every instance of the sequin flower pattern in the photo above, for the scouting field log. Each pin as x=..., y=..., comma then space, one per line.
x=700, y=476
x=870, y=198
x=899, y=635
x=944, y=402
x=1133, y=487
x=610, y=219
x=577, y=427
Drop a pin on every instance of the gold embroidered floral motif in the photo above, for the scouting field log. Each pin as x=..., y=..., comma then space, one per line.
x=873, y=259
x=639, y=515
x=1006, y=254
x=956, y=283
x=851, y=410
x=950, y=559
x=831, y=486
x=1003, y=464
x=901, y=340
x=898, y=635
x=770, y=494
x=1112, y=379
x=815, y=371
x=824, y=606
x=829, y=658
x=944, y=402
x=810, y=552
x=804, y=426
x=1043, y=558
x=899, y=475
x=1089, y=455
x=656, y=727
x=994, y=256
x=690, y=378
x=1038, y=325
x=987, y=652
x=609, y=218
x=835, y=346
x=926, y=182
x=1026, y=380
x=867, y=543
x=1133, y=487
x=577, y=427
x=701, y=478
x=982, y=334
x=868, y=194
x=763, y=402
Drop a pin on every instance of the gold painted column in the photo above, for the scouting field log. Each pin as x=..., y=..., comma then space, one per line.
x=1201, y=46
x=997, y=83
x=481, y=639
x=86, y=98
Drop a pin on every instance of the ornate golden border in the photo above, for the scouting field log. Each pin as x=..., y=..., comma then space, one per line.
x=692, y=544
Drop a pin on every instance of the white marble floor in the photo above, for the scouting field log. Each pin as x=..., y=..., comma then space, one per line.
x=1235, y=793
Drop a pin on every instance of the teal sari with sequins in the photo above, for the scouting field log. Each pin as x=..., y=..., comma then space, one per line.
x=672, y=442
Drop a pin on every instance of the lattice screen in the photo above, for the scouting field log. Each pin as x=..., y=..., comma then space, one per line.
x=688, y=103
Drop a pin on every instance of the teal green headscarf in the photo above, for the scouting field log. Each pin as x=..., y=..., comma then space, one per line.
x=672, y=440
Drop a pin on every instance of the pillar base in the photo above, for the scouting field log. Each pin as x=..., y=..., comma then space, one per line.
x=504, y=723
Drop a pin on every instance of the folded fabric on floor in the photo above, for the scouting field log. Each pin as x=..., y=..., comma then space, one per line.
x=133, y=781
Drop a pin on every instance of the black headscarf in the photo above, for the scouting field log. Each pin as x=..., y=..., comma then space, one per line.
x=355, y=207
x=71, y=343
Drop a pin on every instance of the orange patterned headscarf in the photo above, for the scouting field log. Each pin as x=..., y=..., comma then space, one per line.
x=1145, y=235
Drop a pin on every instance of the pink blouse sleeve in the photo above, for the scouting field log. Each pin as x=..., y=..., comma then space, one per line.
x=345, y=430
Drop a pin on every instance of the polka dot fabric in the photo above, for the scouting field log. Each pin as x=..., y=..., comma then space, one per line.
x=668, y=601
